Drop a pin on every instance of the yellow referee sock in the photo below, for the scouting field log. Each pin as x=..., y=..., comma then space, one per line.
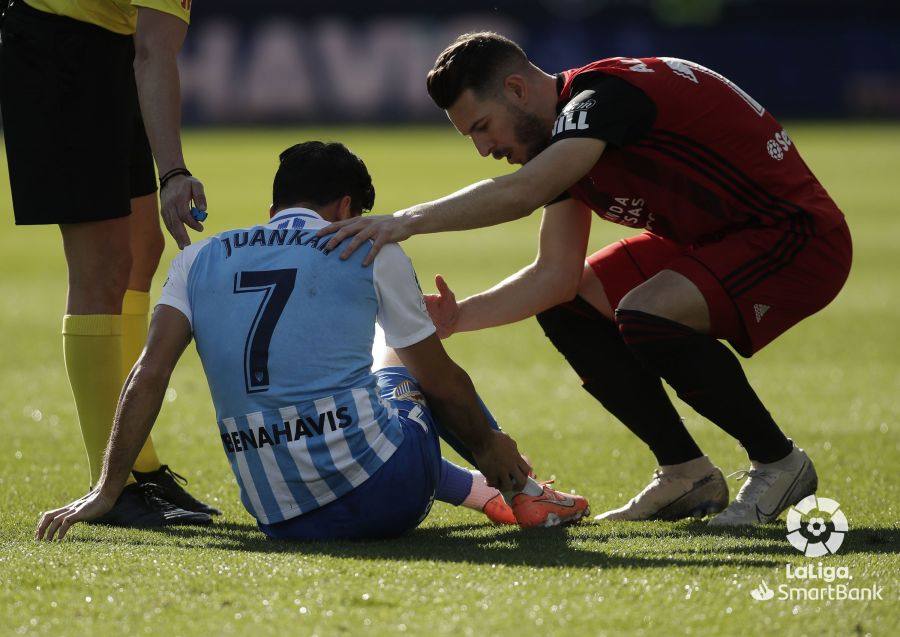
x=92, y=346
x=135, y=310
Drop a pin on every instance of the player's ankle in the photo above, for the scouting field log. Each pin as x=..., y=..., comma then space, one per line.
x=480, y=493
x=696, y=468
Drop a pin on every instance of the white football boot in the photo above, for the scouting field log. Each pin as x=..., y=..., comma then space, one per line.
x=691, y=489
x=770, y=489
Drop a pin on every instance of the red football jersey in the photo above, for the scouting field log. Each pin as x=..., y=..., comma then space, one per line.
x=713, y=162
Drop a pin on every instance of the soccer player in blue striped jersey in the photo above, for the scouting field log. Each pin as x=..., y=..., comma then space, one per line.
x=321, y=446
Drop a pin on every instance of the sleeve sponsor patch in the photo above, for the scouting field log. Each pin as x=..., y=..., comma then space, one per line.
x=608, y=108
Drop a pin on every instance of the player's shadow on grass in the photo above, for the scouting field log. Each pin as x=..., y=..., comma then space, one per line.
x=579, y=547
x=583, y=546
x=865, y=539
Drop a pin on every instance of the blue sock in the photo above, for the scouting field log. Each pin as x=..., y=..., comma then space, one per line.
x=454, y=485
x=456, y=443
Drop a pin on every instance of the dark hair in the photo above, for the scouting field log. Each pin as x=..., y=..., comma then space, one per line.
x=320, y=172
x=473, y=60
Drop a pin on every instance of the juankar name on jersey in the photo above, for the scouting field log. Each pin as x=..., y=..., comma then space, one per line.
x=710, y=161
x=268, y=237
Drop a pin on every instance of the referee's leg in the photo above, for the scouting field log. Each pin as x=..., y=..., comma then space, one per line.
x=98, y=256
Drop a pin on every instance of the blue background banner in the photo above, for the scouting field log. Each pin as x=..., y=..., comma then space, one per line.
x=281, y=61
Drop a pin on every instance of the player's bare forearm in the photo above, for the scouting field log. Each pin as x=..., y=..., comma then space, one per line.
x=142, y=396
x=138, y=407
x=449, y=390
x=158, y=40
x=452, y=398
x=456, y=406
x=494, y=201
x=486, y=203
x=552, y=279
x=524, y=294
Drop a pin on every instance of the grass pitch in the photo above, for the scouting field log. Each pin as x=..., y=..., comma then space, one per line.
x=833, y=382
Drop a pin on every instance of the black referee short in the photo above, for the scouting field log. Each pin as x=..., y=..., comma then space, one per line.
x=75, y=143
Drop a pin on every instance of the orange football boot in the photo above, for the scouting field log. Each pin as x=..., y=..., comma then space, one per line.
x=498, y=511
x=551, y=508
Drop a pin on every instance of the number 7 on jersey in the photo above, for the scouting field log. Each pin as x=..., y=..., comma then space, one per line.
x=276, y=286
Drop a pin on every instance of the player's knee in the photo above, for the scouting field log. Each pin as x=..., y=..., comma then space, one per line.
x=663, y=295
x=113, y=282
x=638, y=300
x=637, y=309
x=669, y=296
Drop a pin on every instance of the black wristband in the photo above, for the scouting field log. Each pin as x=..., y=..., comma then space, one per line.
x=173, y=173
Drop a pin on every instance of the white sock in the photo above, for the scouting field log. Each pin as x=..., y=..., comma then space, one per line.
x=480, y=493
x=531, y=488
x=789, y=462
x=696, y=468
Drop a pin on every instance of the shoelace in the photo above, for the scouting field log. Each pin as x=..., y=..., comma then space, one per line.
x=757, y=480
x=180, y=479
x=153, y=495
x=548, y=491
x=657, y=478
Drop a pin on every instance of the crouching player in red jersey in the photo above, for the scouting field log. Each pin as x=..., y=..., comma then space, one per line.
x=740, y=242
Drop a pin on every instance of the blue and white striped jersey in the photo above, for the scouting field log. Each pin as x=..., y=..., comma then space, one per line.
x=284, y=331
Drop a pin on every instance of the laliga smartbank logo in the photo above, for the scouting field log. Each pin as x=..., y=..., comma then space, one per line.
x=816, y=527
x=817, y=582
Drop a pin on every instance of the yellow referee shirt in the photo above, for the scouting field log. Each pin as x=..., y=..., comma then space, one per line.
x=118, y=16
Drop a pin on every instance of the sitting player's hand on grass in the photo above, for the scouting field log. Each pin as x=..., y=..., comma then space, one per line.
x=380, y=229
x=175, y=199
x=500, y=462
x=442, y=308
x=86, y=508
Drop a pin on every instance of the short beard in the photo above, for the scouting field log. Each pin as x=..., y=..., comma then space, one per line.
x=530, y=131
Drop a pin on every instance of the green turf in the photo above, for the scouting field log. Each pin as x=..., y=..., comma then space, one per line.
x=833, y=382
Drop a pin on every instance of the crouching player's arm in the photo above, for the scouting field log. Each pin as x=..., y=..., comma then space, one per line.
x=486, y=203
x=138, y=407
x=451, y=397
x=552, y=278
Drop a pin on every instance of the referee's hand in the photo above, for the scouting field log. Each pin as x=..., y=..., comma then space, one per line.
x=175, y=206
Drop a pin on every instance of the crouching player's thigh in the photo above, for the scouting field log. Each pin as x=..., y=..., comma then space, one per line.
x=398, y=496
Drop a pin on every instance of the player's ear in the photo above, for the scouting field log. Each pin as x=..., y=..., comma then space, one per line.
x=516, y=88
x=271, y=211
x=345, y=208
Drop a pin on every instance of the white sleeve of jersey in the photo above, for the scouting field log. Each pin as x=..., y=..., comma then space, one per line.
x=175, y=289
x=401, y=308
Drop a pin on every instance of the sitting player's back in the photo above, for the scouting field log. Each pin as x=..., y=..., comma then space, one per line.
x=284, y=331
